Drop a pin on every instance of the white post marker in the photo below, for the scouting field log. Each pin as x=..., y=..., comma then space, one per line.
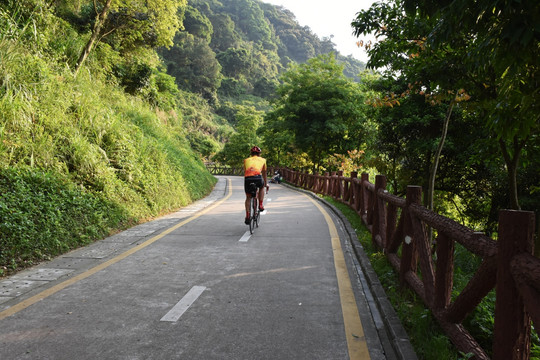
x=181, y=307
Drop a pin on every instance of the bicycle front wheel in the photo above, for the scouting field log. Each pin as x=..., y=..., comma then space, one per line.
x=255, y=212
x=251, y=225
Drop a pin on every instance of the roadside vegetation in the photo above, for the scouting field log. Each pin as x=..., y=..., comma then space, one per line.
x=426, y=336
x=80, y=158
x=109, y=109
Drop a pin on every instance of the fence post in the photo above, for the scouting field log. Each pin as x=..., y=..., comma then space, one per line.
x=353, y=193
x=379, y=215
x=511, y=337
x=326, y=181
x=445, y=271
x=408, y=249
x=338, y=191
x=315, y=184
x=362, y=207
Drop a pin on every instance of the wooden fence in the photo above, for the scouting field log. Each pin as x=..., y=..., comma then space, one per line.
x=400, y=224
x=224, y=170
x=231, y=170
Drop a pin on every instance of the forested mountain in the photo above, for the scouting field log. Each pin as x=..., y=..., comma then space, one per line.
x=231, y=49
x=225, y=54
x=232, y=52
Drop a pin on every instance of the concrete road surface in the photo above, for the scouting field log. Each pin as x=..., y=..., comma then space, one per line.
x=195, y=285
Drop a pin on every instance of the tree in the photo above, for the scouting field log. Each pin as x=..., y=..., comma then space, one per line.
x=320, y=107
x=193, y=63
x=197, y=24
x=96, y=30
x=237, y=148
x=249, y=18
x=404, y=51
x=152, y=23
x=224, y=36
x=504, y=56
x=490, y=49
x=407, y=137
x=234, y=61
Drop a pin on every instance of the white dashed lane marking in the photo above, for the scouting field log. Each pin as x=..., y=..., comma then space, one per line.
x=245, y=237
x=183, y=305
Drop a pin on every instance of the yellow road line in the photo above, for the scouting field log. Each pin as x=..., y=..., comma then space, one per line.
x=52, y=290
x=354, y=332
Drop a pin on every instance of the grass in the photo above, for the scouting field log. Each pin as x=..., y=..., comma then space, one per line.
x=43, y=215
x=427, y=338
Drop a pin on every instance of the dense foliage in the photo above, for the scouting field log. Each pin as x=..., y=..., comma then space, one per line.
x=108, y=107
x=317, y=112
x=467, y=109
x=457, y=113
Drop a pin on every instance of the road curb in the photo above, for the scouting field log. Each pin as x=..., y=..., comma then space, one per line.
x=392, y=329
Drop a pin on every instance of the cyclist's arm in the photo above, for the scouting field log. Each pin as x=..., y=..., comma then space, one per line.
x=264, y=175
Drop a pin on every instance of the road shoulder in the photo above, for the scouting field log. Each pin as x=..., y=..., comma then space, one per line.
x=382, y=324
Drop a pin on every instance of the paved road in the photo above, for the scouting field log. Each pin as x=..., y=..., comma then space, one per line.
x=194, y=285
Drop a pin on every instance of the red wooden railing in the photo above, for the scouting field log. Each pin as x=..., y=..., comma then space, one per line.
x=400, y=224
x=216, y=169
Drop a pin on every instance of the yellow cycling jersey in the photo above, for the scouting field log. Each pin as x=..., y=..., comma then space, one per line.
x=254, y=166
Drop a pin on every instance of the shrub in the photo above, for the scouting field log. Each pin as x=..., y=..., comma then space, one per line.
x=43, y=214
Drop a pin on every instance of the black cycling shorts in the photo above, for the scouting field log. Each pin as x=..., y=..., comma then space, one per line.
x=257, y=180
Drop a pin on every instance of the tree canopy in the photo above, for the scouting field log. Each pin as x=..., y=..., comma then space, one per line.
x=320, y=108
x=465, y=49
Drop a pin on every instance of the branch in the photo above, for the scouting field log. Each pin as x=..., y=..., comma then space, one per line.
x=504, y=151
x=107, y=33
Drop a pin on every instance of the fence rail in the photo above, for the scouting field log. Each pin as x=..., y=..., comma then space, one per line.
x=399, y=227
x=224, y=170
x=231, y=170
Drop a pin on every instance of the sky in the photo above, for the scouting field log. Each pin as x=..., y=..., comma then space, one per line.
x=330, y=17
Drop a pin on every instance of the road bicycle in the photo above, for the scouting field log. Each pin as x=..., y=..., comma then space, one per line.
x=255, y=216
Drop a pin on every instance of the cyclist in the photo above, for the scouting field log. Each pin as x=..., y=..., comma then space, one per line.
x=254, y=172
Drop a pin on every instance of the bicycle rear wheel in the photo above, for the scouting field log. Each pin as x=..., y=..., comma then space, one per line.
x=258, y=217
x=251, y=217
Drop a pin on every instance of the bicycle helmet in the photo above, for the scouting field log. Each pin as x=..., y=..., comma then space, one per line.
x=255, y=150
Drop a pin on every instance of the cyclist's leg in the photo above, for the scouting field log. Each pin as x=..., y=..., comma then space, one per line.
x=261, y=195
x=261, y=198
x=257, y=212
x=247, y=206
x=247, y=202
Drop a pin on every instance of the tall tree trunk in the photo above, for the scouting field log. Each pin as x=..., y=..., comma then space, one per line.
x=512, y=161
x=100, y=20
x=537, y=244
x=433, y=172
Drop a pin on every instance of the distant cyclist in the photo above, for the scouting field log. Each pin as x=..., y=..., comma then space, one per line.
x=254, y=172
